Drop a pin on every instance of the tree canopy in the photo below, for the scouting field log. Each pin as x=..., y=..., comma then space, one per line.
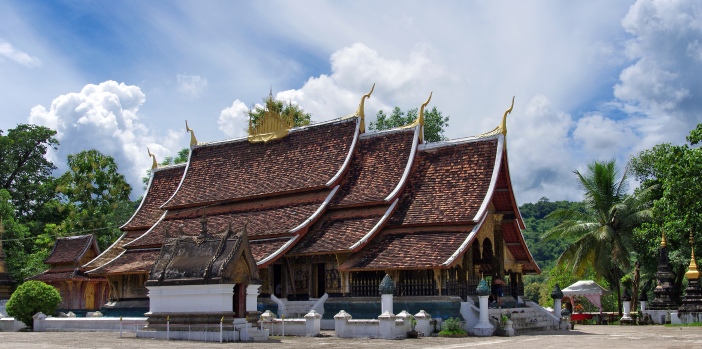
x=286, y=110
x=24, y=170
x=434, y=122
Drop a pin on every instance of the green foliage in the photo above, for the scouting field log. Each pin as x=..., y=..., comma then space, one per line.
x=30, y=298
x=434, y=122
x=182, y=157
x=96, y=196
x=285, y=110
x=24, y=170
x=452, y=327
x=604, y=233
x=671, y=174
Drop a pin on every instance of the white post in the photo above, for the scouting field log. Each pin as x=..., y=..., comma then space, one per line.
x=423, y=323
x=252, y=298
x=626, y=318
x=283, y=323
x=312, y=323
x=120, y=327
x=220, y=329
x=168, y=327
x=340, y=321
x=483, y=328
x=643, y=306
x=557, y=308
x=387, y=325
x=386, y=303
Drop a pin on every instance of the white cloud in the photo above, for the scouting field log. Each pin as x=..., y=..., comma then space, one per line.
x=13, y=54
x=105, y=117
x=233, y=121
x=603, y=138
x=191, y=85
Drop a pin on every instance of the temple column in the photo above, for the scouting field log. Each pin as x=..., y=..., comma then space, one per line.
x=498, y=245
x=468, y=263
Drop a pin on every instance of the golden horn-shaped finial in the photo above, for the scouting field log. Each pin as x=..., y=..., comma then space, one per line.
x=361, y=109
x=420, y=119
x=503, y=126
x=154, y=163
x=193, y=140
x=663, y=242
x=692, y=272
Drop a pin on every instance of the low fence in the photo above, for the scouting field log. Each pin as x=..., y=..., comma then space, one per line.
x=387, y=326
x=43, y=323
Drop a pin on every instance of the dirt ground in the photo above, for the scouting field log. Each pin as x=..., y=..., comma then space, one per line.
x=584, y=336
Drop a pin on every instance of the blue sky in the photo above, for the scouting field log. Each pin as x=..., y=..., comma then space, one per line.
x=592, y=79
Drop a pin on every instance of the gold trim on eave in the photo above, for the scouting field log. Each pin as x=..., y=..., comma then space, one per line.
x=154, y=163
x=193, y=140
x=273, y=125
x=420, y=119
x=502, y=129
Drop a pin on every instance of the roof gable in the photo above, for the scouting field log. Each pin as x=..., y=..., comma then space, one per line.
x=71, y=249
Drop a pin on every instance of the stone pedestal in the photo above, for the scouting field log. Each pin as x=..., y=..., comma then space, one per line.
x=386, y=303
x=340, y=321
x=387, y=325
x=626, y=318
x=252, y=297
x=691, y=308
x=557, y=308
x=483, y=328
x=423, y=323
x=313, y=323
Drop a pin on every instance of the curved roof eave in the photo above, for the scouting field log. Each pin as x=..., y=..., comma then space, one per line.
x=493, y=180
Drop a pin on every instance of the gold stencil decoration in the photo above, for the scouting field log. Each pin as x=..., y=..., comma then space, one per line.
x=273, y=125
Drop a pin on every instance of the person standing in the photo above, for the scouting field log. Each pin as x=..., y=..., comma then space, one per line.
x=498, y=290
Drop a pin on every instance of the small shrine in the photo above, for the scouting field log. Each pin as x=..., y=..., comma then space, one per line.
x=691, y=308
x=199, y=282
x=79, y=291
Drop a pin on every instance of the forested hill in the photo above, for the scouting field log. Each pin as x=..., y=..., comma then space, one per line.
x=544, y=252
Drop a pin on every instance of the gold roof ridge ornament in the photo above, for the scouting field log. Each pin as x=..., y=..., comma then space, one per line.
x=193, y=140
x=692, y=272
x=420, y=119
x=154, y=163
x=360, y=112
x=273, y=125
x=502, y=128
x=663, y=242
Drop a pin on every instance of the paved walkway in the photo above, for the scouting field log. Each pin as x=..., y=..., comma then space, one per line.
x=584, y=336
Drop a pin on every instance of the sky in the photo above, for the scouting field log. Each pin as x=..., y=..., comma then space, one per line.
x=592, y=80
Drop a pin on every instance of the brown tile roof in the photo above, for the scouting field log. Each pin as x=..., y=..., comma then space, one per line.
x=262, y=222
x=227, y=171
x=71, y=249
x=265, y=247
x=448, y=184
x=130, y=262
x=417, y=250
x=163, y=184
x=51, y=275
x=335, y=235
x=376, y=168
x=114, y=250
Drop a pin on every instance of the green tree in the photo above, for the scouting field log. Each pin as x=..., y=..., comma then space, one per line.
x=604, y=232
x=24, y=170
x=434, y=122
x=94, y=191
x=672, y=174
x=287, y=111
x=30, y=298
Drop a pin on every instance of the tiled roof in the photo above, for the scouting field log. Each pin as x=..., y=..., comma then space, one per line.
x=416, y=250
x=163, y=185
x=61, y=275
x=448, y=184
x=71, y=249
x=114, y=250
x=226, y=171
x=130, y=262
x=335, y=235
x=377, y=167
x=265, y=247
x=261, y=221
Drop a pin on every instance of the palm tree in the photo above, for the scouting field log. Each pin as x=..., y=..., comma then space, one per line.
x=603, y=234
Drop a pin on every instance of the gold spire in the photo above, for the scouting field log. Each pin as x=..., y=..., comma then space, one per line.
x=692, y=272
x=420, y=119
x=503, y=125
x=361, y=109
x=272, y=125
x=154, y=163
x=663, y=242
x=193, y=140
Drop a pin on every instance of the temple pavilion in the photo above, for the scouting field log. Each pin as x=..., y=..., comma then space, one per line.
x=330, y=208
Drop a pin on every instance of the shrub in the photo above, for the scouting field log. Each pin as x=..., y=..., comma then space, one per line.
x=30, y=298
x=453, y=328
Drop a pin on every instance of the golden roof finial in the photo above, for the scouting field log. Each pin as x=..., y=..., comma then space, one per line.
x=503, y=125
x=361, y=109
x=420, y=119
x=154, y=163
x=692, y=272
x=271, y=125
x=663, y=242
x=193, y=140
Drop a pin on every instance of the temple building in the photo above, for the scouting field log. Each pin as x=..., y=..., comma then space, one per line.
x=329, y=209
x=79, y=292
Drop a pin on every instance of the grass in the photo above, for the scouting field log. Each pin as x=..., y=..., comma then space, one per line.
x=692, y=324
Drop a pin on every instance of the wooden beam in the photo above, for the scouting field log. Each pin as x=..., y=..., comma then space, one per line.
x=513, y=244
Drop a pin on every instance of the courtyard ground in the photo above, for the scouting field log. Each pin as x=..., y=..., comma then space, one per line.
x=584, y=336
